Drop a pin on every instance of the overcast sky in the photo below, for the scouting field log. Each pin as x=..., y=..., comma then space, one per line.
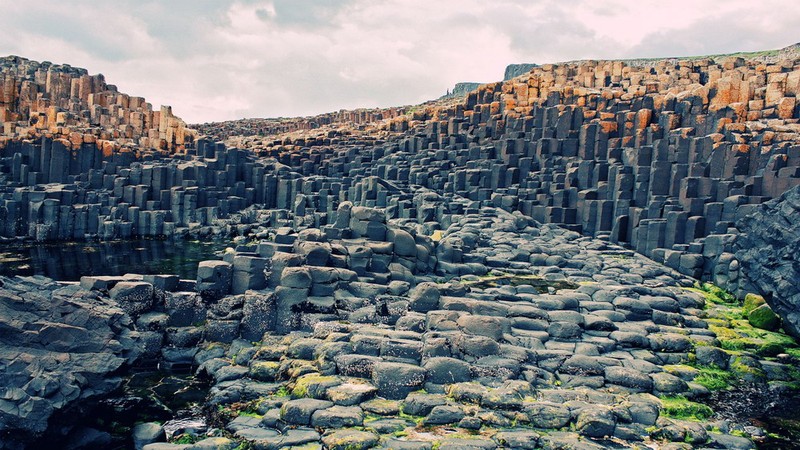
x=218, y=60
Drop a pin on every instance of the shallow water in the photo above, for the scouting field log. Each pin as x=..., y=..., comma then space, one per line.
x=68, y=261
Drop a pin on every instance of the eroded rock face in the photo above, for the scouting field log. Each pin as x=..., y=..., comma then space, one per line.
x=769, y=252
x=60, y=346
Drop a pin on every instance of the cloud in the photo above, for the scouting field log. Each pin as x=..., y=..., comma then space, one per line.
x=217, y=60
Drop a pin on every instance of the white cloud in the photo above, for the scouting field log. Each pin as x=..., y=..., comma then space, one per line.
x=218, y=60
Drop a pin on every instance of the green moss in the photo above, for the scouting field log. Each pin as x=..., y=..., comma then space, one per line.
x=714, y=378
x=751, y=302
x=416, y=419
x=737, y=334
x=282, y=392
x=764, y=318
x=185, y=439
x=714, y=294
x=681, y=370
x=678, y=407
x=770, y=349
x=303, y=383
x=265, y=370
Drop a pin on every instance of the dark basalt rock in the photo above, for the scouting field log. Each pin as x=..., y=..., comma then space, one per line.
x=62, y=348
x=769, y=254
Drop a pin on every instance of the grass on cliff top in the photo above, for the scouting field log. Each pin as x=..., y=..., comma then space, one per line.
x=745, y=55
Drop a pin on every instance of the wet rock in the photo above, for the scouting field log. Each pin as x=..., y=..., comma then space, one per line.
x=424, y=298
x=135, y=297
x=446, y=370
x=338, y=417
x=299, y=412
x=350, y=440
x=147, y=433
x=396, y=380
x=214, y=279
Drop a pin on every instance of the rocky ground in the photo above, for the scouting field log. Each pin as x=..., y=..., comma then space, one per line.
x=498, y=333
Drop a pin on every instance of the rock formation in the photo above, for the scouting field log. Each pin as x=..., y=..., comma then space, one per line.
x=461, y=89
x=265, y=127
x=518, y=261
x=515, y=70
x=66, y=102
x=769, y=252
x=60, y=349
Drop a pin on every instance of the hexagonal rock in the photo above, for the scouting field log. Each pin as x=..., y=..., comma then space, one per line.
x=348, y=394
x=404, y=244
x=425, y=297
x=518, y=439
x=214, y=279
x=338, y=417
x=443, y=415
x=350, y=440
x=296, y=277
x=546, y=415
x=299, y=412
x=135, y=297
x=670, y=343
x=396, y=380
x=629, y=378
x=491, y=327
x=418, y=404
x=443, y=370
x=595, y=422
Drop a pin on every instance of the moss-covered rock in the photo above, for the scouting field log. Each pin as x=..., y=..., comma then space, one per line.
x=764, y=318
x=678, y=407
x=751, y=302
x=264, y=370
x=314, y=385
x=349, y=439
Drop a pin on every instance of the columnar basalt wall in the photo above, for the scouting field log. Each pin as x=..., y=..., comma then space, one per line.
x=55, y=193
x=664, y=158
x=44, y=98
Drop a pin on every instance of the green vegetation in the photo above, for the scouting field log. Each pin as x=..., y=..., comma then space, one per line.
x=185, y=439
x=678, y=407
x=304, y=383
x=714, y=294
x=244, y=445
x=741, y=367
x=714, y=378
x=751, y=302
x=733, y=323
x=416, y=419
x=764, y=318
x=496, y=278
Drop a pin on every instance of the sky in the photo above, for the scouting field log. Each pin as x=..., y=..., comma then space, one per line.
x=215, y=60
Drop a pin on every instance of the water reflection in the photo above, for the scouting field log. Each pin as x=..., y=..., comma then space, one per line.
x=68, y=261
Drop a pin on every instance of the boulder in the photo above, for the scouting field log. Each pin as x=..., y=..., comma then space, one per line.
x=396, y=380
x=214, y=279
